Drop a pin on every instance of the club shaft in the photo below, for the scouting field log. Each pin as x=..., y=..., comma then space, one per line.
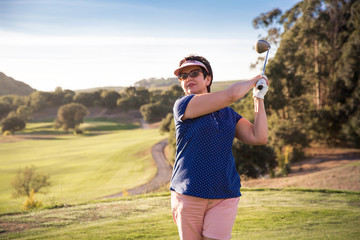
x=267, y=53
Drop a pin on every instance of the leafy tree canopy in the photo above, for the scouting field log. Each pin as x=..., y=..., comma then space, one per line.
x=13, y=123
x=70, y=116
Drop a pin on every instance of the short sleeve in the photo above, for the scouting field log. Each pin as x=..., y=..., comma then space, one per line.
x=237, y=116
x=180, y=107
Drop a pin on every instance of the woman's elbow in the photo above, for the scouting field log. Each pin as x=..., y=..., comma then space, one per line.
x=230, y=95
x=260, y=137
x=262, y=140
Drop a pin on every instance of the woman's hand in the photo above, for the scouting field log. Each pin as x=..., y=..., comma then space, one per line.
x=260, y=89
x=258, y=77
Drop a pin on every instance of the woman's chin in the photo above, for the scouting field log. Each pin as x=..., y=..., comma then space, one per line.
x=191, y=91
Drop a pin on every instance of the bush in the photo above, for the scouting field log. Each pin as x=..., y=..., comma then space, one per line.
x=253, y=161
x=13, y=123
x=165, y=123
x=7, y=133
x=31, y=202
x=28, y=180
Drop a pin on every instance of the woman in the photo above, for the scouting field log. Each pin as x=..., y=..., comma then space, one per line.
x=205, y=186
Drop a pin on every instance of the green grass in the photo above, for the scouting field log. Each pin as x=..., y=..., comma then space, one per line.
x=43, y=128
x=103, y=124
x=90, y=125
x=112, y=156
x=263, y=214
x=81, y=167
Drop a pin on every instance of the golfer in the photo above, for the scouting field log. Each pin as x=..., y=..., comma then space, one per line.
x=205, y=186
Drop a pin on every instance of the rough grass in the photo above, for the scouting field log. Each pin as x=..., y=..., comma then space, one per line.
x=262, y=214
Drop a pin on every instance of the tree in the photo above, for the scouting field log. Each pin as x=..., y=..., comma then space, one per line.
x=39, y=100
x=109, y=98
x=125, y=104
x=13, y=123
x=161, y=104
x=88, y=99
x=5, y=108
x=9, y=103
x=24, y=112
x=153, y=112
x=60, y=96
x=166, y=123
x=70, y=116
x=68, y=96
x=253, y=161
x=143, y=96
x=315, y=78
x=28, y=180
x=133, y=98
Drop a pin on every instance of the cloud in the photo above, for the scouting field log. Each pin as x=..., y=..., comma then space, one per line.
x=75, y=62
x=20, y=39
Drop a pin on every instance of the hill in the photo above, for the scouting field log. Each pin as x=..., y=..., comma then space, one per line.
x=12, y=86
x=159, y=84
x=109, y=88
x=155, y=83
x=164, y=84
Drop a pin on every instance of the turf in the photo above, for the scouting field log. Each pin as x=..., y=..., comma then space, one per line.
x=264, y=214
x=81, y=167
x=110, y=158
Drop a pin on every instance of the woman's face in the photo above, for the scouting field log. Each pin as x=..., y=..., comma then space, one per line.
x=194, y=85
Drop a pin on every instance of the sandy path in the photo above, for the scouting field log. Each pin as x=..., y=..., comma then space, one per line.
x=162, y=177
x=326, y=169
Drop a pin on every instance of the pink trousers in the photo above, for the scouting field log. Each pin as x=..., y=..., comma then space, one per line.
x=197, y=217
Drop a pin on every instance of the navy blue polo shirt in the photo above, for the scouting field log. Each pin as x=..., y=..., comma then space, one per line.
x=204, y=165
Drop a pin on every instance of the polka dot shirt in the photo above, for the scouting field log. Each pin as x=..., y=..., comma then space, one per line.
x=204, y=165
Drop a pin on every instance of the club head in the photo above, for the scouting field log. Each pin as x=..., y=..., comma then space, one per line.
x=262, y=46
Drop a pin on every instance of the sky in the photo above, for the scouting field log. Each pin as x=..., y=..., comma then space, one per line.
x=80, y=44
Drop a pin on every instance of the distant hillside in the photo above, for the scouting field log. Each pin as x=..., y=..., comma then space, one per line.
x=155, y=83
x=8, y=86
x=150, y=83
x=110, y=88
x=164, y=84
x=159, y=84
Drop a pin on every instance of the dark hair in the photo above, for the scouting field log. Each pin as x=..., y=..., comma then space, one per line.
x=205, y=62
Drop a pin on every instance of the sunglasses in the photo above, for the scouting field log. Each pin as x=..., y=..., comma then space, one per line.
x=193, y=74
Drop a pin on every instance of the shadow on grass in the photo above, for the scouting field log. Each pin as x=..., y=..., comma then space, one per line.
x=91, y=127
x=104, y=124
x=114, y=127
x=45, y=138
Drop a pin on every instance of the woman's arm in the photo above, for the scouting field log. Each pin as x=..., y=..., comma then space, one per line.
x=202, y=104
x=257, y=133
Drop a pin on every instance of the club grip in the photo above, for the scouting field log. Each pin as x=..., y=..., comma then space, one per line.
x=260, y=84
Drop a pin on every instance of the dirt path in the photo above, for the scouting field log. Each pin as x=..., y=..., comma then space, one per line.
x=162, y=177
x=326, y=168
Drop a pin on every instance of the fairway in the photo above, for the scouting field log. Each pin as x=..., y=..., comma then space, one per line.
x=263, y=214
x=81, y=167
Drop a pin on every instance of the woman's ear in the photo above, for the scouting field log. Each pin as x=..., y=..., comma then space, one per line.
x=208, y=80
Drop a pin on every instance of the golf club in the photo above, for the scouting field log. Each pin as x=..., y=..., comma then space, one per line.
x=262, y=46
